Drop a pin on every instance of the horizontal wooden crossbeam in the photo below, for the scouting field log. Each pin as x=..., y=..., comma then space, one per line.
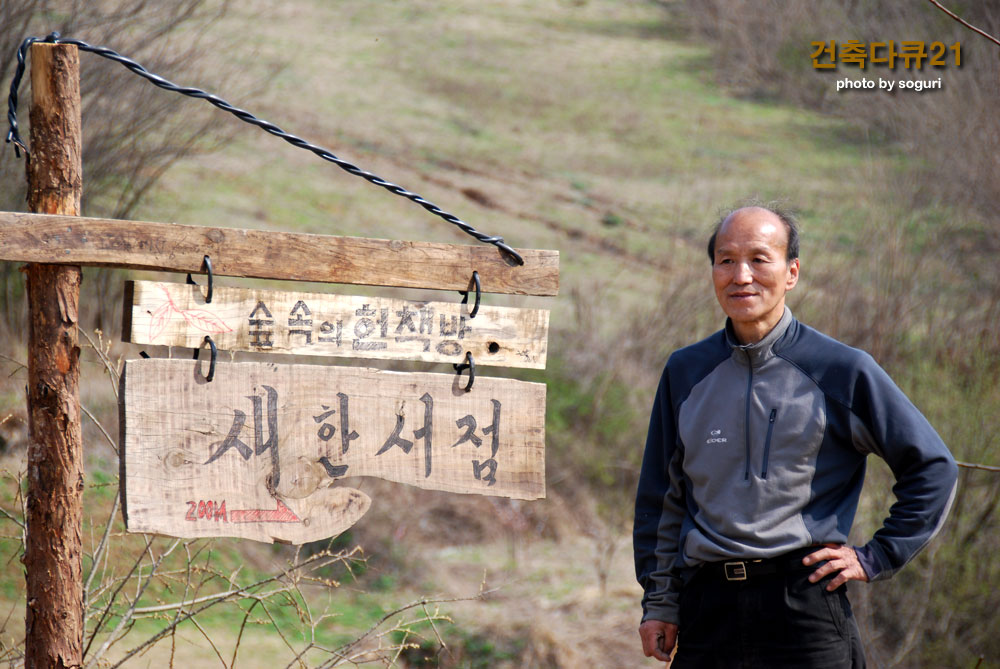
x=262, y=254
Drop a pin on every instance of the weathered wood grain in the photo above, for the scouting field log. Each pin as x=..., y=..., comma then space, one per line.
x=272, y=442
x=272, y=255
x=54, y=507
x=239, y=319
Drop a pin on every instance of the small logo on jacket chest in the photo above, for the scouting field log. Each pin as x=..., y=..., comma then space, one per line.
x=716, y=437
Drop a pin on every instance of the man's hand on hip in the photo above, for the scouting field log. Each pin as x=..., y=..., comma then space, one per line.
x=839, y=558
x=658, y=639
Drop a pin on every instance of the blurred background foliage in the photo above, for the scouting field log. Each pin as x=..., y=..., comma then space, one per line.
x=614, y=131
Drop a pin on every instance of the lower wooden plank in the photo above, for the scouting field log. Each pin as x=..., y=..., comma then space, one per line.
x=323, y=324
x=260, y=451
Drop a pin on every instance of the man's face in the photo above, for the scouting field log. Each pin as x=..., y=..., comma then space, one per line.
x=750, y=271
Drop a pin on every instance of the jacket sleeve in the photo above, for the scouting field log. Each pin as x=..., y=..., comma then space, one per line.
x=885, y=422
x=659, y=512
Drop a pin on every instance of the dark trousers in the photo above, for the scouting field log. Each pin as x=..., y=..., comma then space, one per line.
x=769, y=620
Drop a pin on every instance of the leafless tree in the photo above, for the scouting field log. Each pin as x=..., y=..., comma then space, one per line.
x=178, y=584
x=132, y=132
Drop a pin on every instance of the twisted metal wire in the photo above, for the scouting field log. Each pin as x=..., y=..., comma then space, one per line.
x=243, y=115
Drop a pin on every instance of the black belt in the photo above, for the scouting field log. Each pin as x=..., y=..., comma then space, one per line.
x=743, y=570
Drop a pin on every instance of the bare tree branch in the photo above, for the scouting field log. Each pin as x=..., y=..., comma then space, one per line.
x=111, y=442
x=341, y=653
x=20, y=523
x=964, y=22
x=20, y=365
x=100, y=548
x=126, y=619
x=146, y=610
x=239, y=637
x=974, y=465
x=313, y=562
x=114, y=370
x=210, y=642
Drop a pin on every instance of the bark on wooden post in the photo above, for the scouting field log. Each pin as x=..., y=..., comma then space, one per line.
x=54, y=617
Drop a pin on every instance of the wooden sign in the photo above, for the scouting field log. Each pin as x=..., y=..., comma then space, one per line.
x=271, y=474
x=272, y=255
x=238, y=319
x=260, y=451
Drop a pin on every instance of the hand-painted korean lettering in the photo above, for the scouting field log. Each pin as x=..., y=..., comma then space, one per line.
x=449, y=347
x=394, y=438
x=426, y=320
x=469, y=423
x=330, y=332
x=232, y=440
x=493, y=430
x=332, y=470
x=347, y=435
x=423, y=340
x=327, y=430
x=366, y=326
x=300, y=322
x=261, y=326
x=425, y=432
x=422, y=433
x=454, y=328
x=491, y=476
x=405, y=316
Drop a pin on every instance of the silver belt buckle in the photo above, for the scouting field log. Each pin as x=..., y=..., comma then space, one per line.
x=735, y=571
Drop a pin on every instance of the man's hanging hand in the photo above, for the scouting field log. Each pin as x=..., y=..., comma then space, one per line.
x=658, y=639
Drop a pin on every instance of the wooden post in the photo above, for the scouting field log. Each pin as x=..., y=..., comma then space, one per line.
x=52, y=557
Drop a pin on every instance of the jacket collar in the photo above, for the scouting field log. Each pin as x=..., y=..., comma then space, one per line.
x=760, y=352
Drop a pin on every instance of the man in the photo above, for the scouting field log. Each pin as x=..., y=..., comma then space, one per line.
x=753, y=467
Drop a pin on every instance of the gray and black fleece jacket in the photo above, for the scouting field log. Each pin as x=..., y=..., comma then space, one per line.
x=754, y=451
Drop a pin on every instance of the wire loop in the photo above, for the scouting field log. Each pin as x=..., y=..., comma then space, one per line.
x=479, y=294
x=207, y=264
x=243, y=115
x=469, y=364
x=215, y=353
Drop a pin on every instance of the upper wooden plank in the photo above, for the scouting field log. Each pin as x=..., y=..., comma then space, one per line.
x=262, y=254
x=324, y=324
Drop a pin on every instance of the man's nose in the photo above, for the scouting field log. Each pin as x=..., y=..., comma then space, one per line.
x=743, y=274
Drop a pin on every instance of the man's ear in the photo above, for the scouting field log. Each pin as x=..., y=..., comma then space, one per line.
x=793, y=274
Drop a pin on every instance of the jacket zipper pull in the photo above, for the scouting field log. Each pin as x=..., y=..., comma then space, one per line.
x=767, y=442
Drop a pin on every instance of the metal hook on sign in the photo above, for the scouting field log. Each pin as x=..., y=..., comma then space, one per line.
x=207, y=264
x=469, y=364
x=479, y=292
x=215, y=353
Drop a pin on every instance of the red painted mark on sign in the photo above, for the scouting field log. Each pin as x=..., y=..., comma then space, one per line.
x=282, y=514
x=206, y=510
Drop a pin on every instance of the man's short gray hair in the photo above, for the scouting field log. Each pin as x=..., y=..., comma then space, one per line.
x=786, y=217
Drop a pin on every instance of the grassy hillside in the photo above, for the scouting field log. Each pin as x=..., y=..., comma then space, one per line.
x=595, y=127
x=577, y=126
